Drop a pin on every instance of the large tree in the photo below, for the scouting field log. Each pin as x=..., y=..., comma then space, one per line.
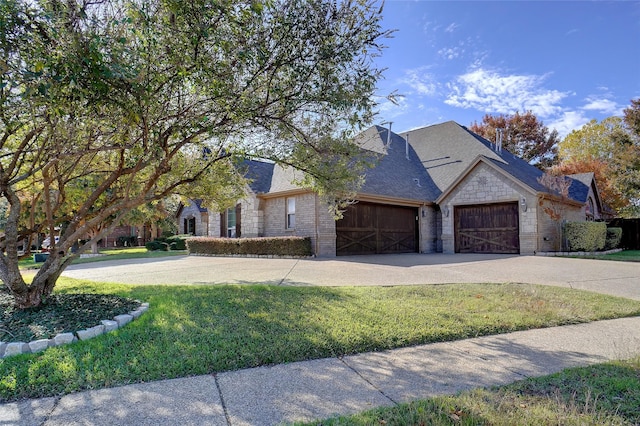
x=613, y=145
x=112, y=104
x=523, y=135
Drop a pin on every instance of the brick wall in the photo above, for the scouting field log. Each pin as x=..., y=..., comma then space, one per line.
x=309, y=210
x=549, y=236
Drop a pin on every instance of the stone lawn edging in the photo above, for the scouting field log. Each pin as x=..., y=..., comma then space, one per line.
x=105, y=326
x=576, y=253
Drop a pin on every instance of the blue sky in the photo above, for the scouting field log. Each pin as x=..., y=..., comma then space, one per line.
x=567, y=61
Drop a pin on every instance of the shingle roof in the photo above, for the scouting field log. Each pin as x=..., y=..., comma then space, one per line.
x=579, y=189
x=448, y=149
x=398, y=172
x=259, y=173
x=198, y=203
x=437, y=156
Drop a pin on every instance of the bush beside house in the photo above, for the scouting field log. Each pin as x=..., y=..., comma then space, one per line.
x=585, y=236
x=613, y=239
x=273, y=246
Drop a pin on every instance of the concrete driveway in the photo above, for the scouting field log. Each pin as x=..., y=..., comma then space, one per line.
x=609, y=277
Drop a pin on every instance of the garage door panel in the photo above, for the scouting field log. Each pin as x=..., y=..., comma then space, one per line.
x=491, y=228
x=369, y=228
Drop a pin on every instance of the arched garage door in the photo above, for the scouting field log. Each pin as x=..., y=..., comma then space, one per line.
x=487, y=228
x=369, y=228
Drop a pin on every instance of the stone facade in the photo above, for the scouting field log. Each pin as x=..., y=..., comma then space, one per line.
x=485, y=185
x=192, y=212
x=430, y=228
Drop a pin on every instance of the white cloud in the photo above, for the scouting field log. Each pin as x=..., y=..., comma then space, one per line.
x=451, y=52
x=420, y=81
x=389, y=110
x=491, y=92
x=451, y=28
x=602, y=105
x=567, y=122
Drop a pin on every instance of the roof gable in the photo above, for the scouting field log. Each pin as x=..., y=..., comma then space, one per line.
x=446, y=150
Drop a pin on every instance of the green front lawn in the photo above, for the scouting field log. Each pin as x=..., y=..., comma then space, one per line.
x=626, y=256
x=192, y=330
x=112, y=254
x=622, y=256
x=606, y=394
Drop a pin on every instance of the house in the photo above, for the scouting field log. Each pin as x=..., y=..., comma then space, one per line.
x=440, y=188
x=194, y=218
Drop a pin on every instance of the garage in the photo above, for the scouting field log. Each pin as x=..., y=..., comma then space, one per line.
x=370, y=228
x=487, y=228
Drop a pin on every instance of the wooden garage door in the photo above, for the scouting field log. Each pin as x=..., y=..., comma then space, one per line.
x=369, y=228
x=489, y=228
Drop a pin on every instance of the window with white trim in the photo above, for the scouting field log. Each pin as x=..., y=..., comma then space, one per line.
x=231, y=223
x=291, y=213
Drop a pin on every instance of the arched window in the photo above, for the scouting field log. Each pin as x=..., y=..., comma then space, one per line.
x=590, y=212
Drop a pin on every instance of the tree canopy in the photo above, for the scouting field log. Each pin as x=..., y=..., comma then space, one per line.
x=523, y=135
x=113, y=104
x=611, y=149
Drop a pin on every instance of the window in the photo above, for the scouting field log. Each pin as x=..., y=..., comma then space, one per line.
x=231, y=223
x=291, y=213
x=190, y=225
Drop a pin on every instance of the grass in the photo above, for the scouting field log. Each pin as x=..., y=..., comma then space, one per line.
x=622, y=256
x=605, y=394
x=112, y=254
x=192, y=330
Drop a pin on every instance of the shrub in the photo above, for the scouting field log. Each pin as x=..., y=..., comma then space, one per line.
x=613, y=239
x=127, y=241
x=585, y=236
x=277, y=246
x=177, y=242
x=156, y=245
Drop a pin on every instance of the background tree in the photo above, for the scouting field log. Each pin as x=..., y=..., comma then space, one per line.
x=109, y=105
x=612, y=145
x=524, y=135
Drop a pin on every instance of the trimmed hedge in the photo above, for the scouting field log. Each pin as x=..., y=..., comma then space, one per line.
x=585, y=236
x=275, y=246
x=614, y=237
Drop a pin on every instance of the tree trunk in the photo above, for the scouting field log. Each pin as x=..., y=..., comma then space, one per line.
x=94, y=247
x=34, y=294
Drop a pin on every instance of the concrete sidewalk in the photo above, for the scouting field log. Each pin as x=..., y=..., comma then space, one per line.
x=318, y=389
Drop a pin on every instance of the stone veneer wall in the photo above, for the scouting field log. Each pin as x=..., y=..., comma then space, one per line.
x=252, y=218
x=310, y=210
x=202, y=227
x=484, y=185
x=428, y=229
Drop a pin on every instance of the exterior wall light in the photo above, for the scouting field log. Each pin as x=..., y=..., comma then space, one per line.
x=523, y=204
